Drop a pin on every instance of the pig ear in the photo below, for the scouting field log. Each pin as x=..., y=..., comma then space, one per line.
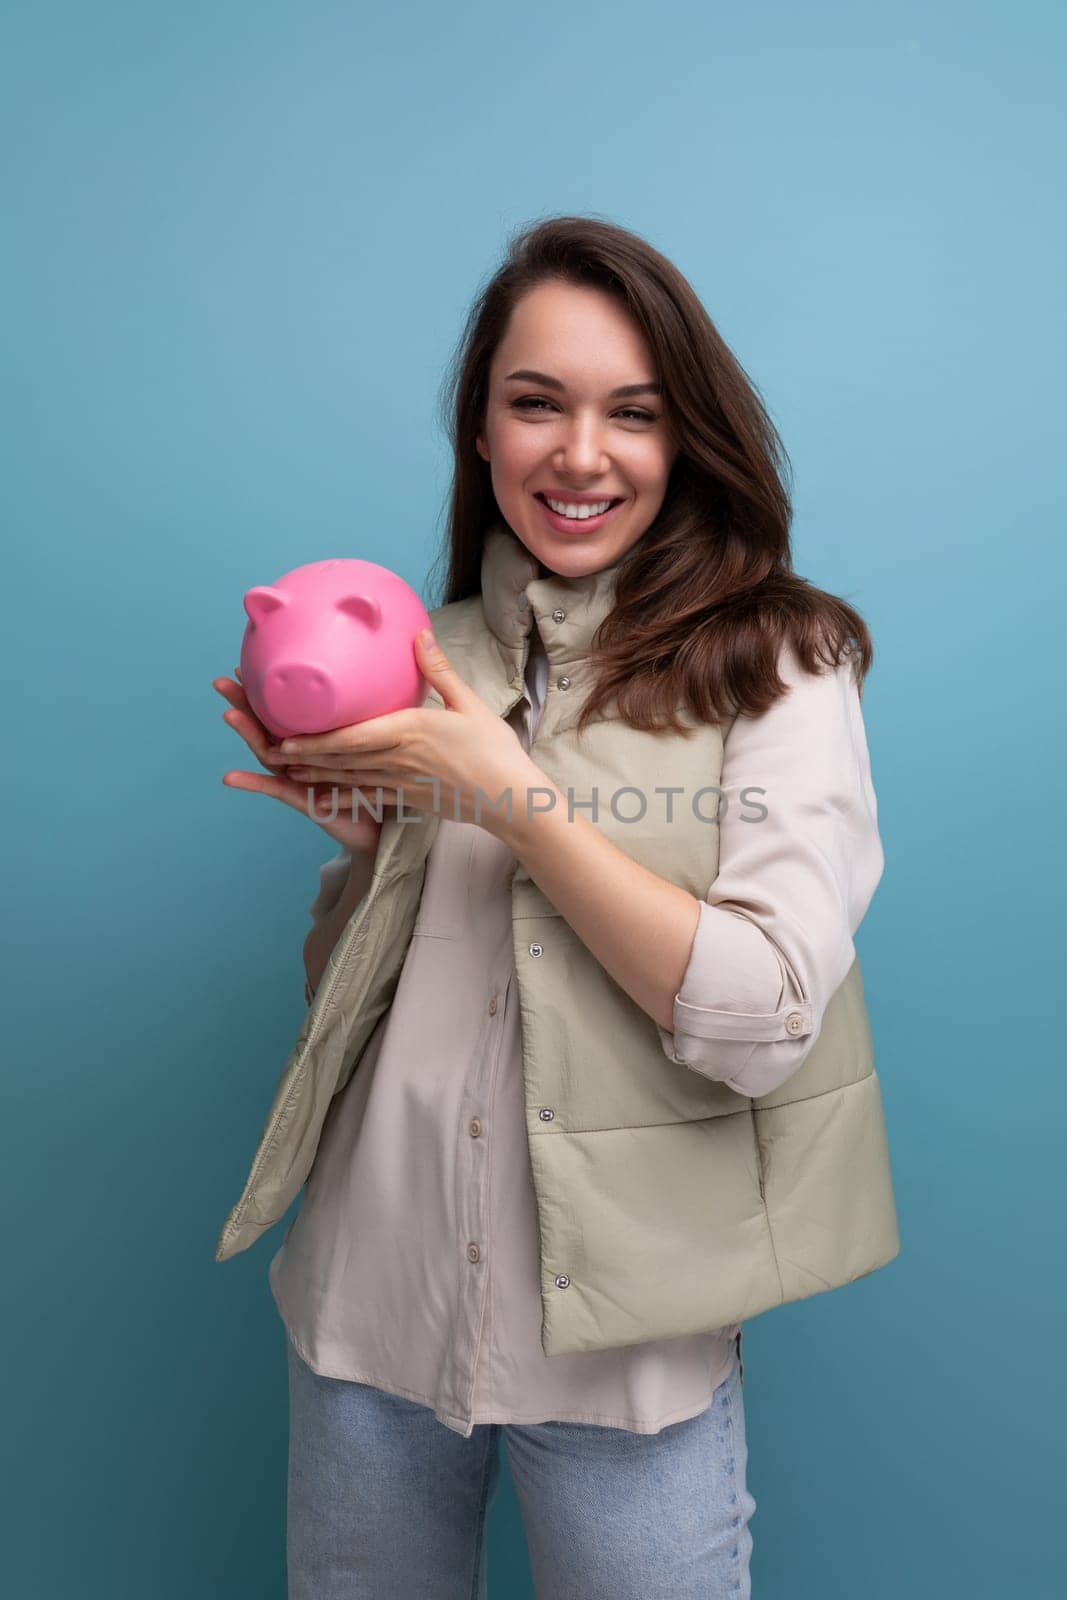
x=259, y=603
x=363, y=606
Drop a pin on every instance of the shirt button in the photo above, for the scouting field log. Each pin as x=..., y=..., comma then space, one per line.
x=562, y=1281
x=546, y=1114
x=473, y=1253
x=563, y=683
x=794, y=1022
x=537, y=949
x=476, y=1127
x=559, y=614
x=492, y=1006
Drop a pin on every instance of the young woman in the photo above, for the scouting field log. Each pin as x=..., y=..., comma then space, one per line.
x=586, y=1076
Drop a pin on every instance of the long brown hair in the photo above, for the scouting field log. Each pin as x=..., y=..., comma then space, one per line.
x=707, y=595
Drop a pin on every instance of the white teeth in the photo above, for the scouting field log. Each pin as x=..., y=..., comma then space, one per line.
x=579, y=513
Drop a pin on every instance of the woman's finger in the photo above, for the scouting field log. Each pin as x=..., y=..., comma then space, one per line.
x=321, y=801
x=345, y=780
x=252, y=735
x=236, y=697
x=329, y=760
x=232, y=692
x=258, y=783
x=334, y=800
x=291, y=794
x=342, y=760
x=256, y=738
x=340, y=775
x=416, y=796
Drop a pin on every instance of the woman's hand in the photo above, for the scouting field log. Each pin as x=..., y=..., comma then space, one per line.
x=464, y=747
x=360, y=833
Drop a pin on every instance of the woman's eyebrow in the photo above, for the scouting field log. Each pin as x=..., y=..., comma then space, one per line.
x=527, y=375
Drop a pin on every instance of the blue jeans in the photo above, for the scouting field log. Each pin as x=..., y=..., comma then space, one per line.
x=386, y=1502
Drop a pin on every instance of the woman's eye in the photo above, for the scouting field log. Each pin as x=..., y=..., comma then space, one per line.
x=532, y=401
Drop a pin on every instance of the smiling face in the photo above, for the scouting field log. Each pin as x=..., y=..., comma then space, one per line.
x=560, y=430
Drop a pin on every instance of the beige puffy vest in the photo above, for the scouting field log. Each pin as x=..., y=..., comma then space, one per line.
x=667, y=1203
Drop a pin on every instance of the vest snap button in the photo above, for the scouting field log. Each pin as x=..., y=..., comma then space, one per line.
x=794, y=1022
x=476, y=1127
x=546, y=1115
x=562, y=1281
x=563, y=683
x=473, y=1253
x=536, y=949
x=559, y=614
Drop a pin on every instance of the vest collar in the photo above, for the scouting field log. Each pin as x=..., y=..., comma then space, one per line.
x=565, y=611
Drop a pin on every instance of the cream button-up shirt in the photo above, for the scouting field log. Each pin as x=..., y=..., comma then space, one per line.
x=413, y=1262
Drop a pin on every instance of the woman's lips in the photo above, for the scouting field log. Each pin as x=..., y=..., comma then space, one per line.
x=576, y=524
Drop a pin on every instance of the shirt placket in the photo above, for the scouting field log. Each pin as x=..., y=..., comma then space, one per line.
x=485, y=1134
x=473, y=1346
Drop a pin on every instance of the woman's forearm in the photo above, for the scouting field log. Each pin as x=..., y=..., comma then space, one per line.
x=639, y=926
x=320, y=942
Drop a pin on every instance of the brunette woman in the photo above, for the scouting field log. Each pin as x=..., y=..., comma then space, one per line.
x=586, y=1077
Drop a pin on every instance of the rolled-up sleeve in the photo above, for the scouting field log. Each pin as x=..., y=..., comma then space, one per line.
x=799, y=860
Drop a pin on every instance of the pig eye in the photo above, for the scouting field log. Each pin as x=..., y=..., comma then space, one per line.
x=364, y=607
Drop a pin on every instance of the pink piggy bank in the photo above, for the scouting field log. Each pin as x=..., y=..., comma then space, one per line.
x=329, y=644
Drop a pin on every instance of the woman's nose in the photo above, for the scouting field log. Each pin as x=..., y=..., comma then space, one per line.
x=582, y=452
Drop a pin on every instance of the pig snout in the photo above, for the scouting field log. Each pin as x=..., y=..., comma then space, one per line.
x=300, y=697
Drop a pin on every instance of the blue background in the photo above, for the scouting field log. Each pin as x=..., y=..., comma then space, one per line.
x=240, y=242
